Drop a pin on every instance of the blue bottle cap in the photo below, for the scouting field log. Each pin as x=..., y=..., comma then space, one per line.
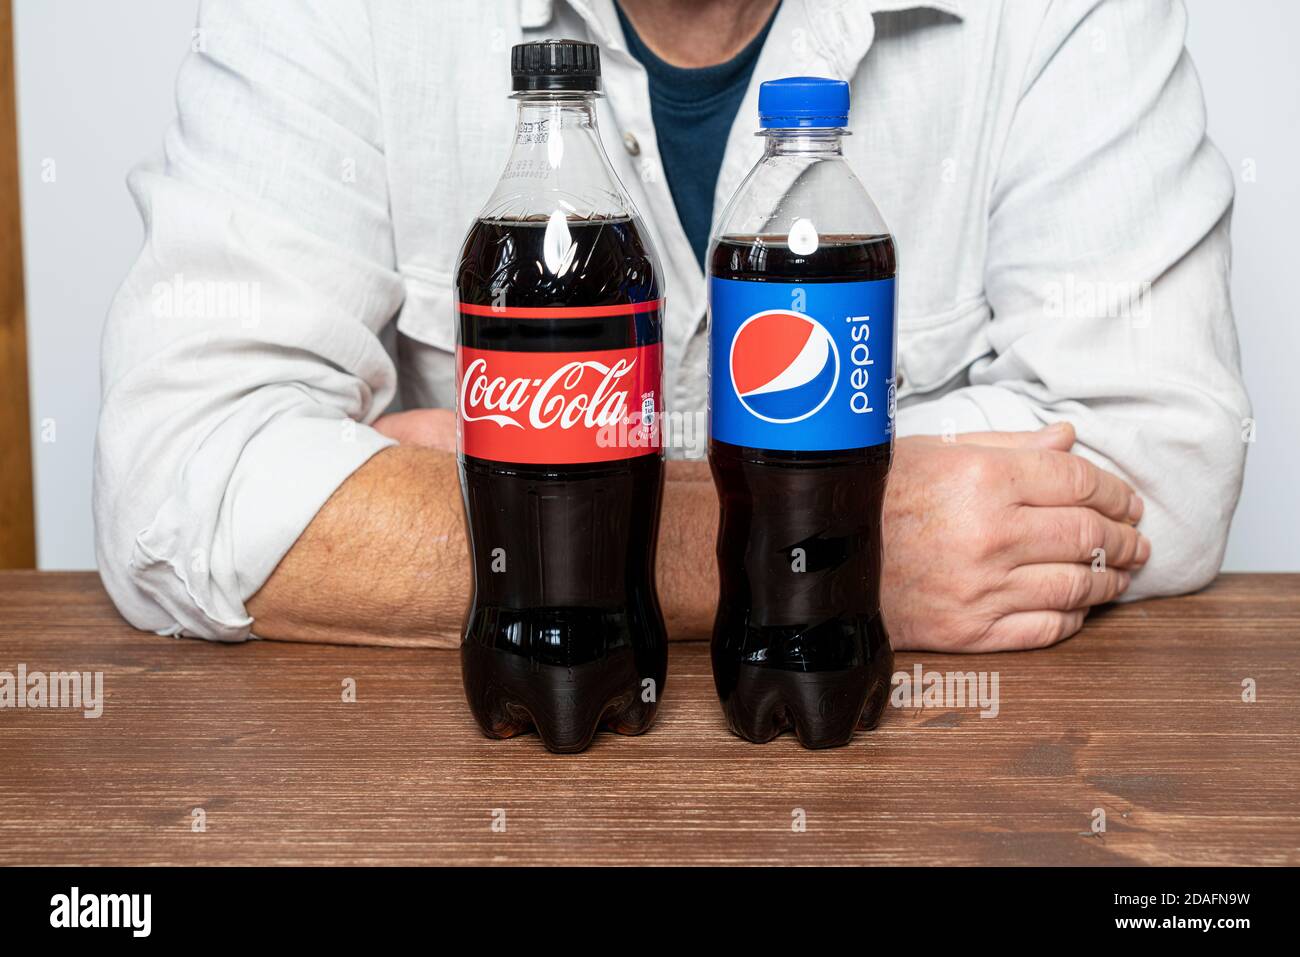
x=803, y=102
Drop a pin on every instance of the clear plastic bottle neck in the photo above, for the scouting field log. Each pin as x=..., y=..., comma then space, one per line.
x=573, y=110
x=812, y=143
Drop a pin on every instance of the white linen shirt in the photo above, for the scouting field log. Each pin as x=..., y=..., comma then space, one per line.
x=1061, y=219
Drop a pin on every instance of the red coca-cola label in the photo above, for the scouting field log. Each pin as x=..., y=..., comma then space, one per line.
x=559, y=407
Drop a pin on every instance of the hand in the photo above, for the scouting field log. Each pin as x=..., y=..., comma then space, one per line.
x=431, y=428
x=989, y=540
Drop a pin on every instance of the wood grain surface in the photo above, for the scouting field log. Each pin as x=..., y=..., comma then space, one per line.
x=17, y=528
x=1141, y=716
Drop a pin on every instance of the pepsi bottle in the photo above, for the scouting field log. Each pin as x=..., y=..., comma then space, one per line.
x=801, y=426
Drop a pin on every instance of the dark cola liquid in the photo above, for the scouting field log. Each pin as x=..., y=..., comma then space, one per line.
x=805, y=651
x=563, y=640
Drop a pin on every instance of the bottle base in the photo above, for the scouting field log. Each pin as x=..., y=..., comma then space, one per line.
x=823, y=708
x=511, y=695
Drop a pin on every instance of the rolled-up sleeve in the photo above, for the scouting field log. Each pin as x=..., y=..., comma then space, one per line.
x=1108, y=278
x=241, y=360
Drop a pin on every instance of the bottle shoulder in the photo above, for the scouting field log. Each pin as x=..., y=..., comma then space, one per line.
x=802, y=199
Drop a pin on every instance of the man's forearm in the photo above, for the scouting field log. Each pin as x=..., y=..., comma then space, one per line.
x=383, y=562
x=386, y=561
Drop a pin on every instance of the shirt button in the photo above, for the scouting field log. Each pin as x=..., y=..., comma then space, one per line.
x=632, y=145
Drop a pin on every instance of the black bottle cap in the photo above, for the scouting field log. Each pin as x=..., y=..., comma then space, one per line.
x=555, y=65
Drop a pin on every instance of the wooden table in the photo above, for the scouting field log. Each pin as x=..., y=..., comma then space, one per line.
x=1141, y=716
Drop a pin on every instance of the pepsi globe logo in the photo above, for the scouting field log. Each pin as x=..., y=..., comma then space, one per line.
x=784, y=365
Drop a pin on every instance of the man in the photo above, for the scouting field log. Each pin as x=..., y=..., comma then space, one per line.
x=1068, y=364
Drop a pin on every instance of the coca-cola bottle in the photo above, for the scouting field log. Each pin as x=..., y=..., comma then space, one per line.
x=559, y=379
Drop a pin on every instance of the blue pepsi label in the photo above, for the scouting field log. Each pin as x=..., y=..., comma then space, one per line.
x=801, y=366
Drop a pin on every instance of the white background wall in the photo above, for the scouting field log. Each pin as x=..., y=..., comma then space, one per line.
x=1246, y=57
x=95, y=87
x=96, y=83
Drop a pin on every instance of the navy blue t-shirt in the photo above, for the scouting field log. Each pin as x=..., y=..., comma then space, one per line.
x=693, y=109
